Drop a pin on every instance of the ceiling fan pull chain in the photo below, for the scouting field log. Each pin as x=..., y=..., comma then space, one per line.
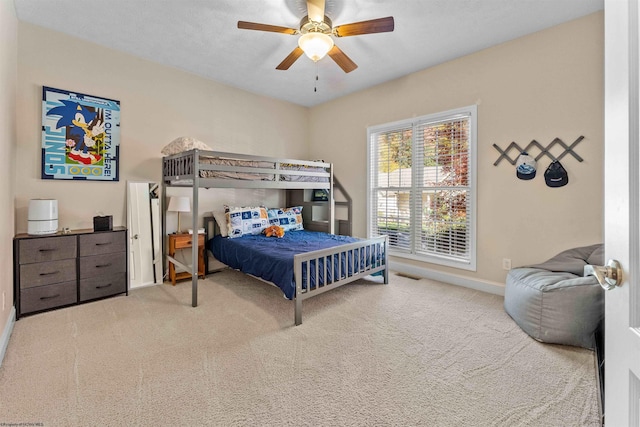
x=315, y=86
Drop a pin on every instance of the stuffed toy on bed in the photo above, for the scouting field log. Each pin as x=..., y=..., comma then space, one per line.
x=274, y=230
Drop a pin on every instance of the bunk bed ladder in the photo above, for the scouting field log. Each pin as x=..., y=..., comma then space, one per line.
x=331, y=212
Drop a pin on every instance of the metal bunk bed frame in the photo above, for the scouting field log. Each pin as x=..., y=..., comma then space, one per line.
x=184, y=170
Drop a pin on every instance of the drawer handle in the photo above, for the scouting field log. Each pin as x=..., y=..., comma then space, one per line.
x=102, y=244
x=103, y=265
x=49, y=274
x=51, y=297
x=46, y=250
x=103, y=286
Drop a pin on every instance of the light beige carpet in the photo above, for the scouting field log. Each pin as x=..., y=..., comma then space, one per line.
x=415, y=353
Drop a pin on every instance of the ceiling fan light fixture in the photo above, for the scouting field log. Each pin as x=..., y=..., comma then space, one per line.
x=315, y=45
x=317, y=30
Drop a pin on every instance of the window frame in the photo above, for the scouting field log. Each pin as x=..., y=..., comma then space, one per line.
x=471, y=112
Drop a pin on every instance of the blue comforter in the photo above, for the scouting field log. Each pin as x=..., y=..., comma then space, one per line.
x=272, y=258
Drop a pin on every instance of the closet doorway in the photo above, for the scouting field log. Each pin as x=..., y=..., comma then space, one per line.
x=143, y=222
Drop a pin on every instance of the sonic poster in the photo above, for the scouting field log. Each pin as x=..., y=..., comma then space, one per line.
x=80, y=136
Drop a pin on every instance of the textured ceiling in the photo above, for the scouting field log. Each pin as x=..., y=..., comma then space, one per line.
x=201, y=36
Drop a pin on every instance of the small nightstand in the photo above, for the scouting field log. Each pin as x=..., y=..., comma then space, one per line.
x=183, y=241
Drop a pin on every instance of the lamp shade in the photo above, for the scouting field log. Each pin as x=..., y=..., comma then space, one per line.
x=315, y=45
x=179, y=204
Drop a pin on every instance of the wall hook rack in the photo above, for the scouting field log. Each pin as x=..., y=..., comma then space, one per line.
x=544, y=151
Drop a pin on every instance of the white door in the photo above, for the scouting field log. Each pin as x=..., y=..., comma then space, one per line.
x=622, y=213
x=141, y=266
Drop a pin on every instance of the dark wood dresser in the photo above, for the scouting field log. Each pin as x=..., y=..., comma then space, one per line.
x=57, y=270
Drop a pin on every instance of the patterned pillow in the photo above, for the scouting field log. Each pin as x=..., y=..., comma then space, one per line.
x=288, y=218
x=183, y=143
x=246, y=220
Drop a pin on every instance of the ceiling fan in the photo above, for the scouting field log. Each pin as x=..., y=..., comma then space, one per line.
x=316, y=30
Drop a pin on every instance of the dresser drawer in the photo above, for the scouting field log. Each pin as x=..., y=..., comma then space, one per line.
x=50, y=296
x=99, y=265
x=102, y=243
x=46, y=273
x=184, y=241
x=47, y=249
x=103, y=286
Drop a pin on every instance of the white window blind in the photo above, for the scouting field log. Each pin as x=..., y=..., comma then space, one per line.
x=422, y=187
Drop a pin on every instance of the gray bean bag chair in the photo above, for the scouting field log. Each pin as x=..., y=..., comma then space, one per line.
x=553, y=303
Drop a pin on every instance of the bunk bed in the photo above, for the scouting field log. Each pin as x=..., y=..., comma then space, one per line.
x=314, y=272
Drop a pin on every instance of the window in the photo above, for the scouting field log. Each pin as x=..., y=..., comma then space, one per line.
x=422, y=187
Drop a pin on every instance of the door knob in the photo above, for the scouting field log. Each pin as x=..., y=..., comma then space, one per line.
x=609, y=276
x=135, y=236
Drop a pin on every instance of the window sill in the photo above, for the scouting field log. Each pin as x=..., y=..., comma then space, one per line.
x=439, y=260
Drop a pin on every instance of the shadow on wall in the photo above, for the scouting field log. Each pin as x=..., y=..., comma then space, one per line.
x=148, y=169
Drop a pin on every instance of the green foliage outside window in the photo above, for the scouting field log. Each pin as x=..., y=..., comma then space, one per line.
x=444, y=211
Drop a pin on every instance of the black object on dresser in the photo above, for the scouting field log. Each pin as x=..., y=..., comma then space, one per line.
x=58, y=270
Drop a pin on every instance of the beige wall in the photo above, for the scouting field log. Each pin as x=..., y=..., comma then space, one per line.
x=158, y=104
x=542, y=86
x=8, y=70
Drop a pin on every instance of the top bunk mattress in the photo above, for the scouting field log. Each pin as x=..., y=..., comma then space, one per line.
x=242, y=167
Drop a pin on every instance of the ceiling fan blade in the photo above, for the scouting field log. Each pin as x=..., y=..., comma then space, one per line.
x=342, y=59
x=290, y=59
x=380, y=25
x=243, y=25
x=315, y=10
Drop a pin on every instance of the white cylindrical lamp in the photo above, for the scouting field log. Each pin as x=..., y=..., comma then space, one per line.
x=43, y=216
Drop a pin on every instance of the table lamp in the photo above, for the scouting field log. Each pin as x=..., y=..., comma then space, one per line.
x=179, y=204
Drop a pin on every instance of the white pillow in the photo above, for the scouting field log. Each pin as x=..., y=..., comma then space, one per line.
x=221, y=220
x=184, y=143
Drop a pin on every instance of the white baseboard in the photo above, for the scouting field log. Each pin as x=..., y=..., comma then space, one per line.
x=454, y=279
x=143, y=285
x=6, y=334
